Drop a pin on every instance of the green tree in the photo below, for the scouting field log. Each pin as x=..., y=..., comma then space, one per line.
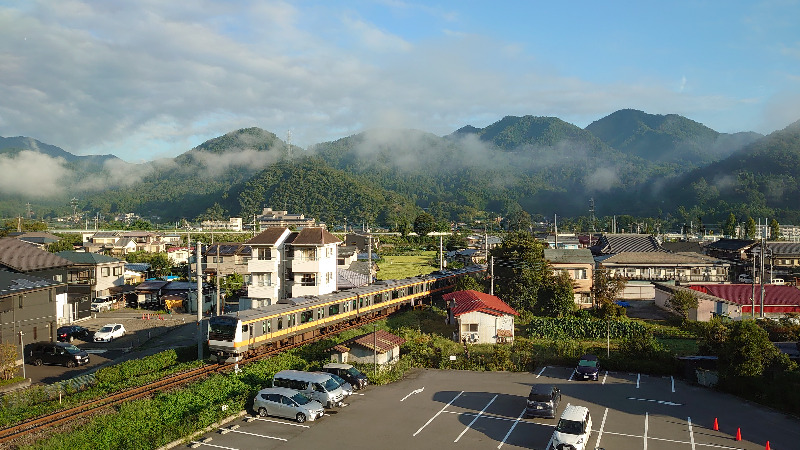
x=682, y=301
x=231, y=284
x=140, y=224
x=60, y=246
x=750, y=228
x=729, y=227
x=747, y=352
x=469, y=283
x=606, y=289
x=214, y=212
x=519, y=269
x=424, y=224
x=556, y=297
x=8, y=360
x=774, y=230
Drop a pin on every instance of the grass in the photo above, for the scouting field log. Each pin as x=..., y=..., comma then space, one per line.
x=404, y=266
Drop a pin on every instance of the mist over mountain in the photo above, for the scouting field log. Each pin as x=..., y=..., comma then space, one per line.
x=629, y=162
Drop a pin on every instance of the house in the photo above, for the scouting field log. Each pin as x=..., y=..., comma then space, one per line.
x=29, y=304
x=266, y=267
x=782, y=258
x=778, y=300
x=179, y=255
x=227, y=258
x=311, y=262
x=481, y=318
x=94, y=274
x=39, y=238
x=152, y=294
x=663, y=266
x=609, y=244
x=23, y=258
x=579, y=265
x=380, y=348
x=734, y=250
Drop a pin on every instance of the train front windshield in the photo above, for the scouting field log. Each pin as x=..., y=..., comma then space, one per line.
x=222, y=328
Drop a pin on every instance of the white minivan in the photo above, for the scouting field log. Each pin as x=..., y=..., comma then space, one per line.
x=573, y=429
x=316, y=386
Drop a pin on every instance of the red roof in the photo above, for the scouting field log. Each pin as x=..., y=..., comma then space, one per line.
x=469, y=301
x=380, y=340
x=782, y=297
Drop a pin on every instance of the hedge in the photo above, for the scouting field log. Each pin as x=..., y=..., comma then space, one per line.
x=584, y=328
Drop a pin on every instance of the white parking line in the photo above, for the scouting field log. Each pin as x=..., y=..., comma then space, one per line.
x=437, y=414
x=282, y=422
x=604, y=377
x=602, y=426
x=257, y=435
x=571, y=375
x=212, y=445
x=691, y=433
x=638, y=376
x=511, y=429
x=646, y=417
x=675, y=441
x=541, y=371
x=476, y=418
x=673, y=382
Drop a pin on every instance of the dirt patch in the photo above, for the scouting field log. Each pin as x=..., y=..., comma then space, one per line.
x=647, y=309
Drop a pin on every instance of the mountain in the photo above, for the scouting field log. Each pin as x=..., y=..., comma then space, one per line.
x=667, y=138
x=13, y=145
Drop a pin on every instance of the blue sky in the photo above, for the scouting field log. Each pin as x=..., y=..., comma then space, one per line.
x=152, y=79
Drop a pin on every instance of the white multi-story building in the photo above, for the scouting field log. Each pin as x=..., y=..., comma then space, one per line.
x=286, y=264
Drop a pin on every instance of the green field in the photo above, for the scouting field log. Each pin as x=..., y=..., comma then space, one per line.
x=404, y=266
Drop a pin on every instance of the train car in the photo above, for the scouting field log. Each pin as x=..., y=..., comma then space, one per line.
x=303, y=319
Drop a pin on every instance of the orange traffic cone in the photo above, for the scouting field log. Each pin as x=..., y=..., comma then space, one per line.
x=767, y=445
x=716, y=424
x=738, y=434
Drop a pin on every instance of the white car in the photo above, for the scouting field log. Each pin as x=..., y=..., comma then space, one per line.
x=109, y=332
x=101, y=304
x=573, y=429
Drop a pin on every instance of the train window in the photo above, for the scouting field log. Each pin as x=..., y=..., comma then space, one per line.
x=376, y=298
x=361, y=302
x=354, y=305
x=280, y=323
x=320, y=313
x=244, y=328
x=333, y=309
x=306, y=316
x=292, y=320
x=264, y=327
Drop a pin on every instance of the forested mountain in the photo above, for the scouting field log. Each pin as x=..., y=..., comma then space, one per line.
x=667, y=138
x=629, y=162
x=10, y=146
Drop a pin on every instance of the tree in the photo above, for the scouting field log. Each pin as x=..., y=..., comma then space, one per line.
x=729, y=227
x=682, y=301
x=8, y=360
x=519, y=269
x=468, y=283
x=140, y=224
x=231, y=284
x=747, y=352
x=556, y=297
x=424, y=224
x=214, y=212
x=750, y=228
x=60, y=246
x=606, y=289
x=774, y=230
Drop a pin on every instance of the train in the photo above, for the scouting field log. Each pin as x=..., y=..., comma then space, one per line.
x=295, y=320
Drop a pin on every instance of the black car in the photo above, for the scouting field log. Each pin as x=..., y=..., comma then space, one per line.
x=69, y=332
x=350, y=374
x=60, y=353
x=543, y=401
x=588, y=368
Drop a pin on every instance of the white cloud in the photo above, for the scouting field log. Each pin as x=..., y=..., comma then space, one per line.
x=32, y=174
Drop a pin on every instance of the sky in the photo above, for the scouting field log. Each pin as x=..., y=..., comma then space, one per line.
x=152, y=79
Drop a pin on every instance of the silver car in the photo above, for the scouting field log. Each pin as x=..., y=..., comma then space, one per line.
x=288, y=403
x=347, y=388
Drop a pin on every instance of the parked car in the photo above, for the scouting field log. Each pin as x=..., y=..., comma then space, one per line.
x=347, y=388
x=543, y=401
x=61, y=353
x=588, y=368
x=777, y=281
x=745, y=278
x=283, y=402
x=69, y=332
x=353, y=376
x=317, y=386
x=101, y=304
x=109, y=332
x=573, y=429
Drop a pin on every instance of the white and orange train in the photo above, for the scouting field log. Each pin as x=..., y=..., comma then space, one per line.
x=296, y=320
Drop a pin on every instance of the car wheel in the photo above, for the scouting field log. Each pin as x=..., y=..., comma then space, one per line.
x=70, y=364
x=262, y=412
x=37, y=362
x=301, y=417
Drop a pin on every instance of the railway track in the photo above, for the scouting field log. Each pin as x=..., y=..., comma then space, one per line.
x=40, y=423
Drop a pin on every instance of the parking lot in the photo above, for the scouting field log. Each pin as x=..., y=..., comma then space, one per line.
x=144, y=335
x=483, y=410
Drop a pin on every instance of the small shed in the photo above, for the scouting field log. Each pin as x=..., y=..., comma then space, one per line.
x=380, y=347
x=481, y=318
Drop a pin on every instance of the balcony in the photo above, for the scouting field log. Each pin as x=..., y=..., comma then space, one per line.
x=304, y=265
x=262, y=266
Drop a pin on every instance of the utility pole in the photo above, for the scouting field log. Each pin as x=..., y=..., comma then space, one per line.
x=199, y=302
x=218, y=304
x=763, y=244
x=22, y=352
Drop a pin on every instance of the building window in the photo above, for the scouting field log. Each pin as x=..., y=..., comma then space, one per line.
x=105, y=271
x=308, y=279
x=59, y=278
x=469, y=327
x=118, y=271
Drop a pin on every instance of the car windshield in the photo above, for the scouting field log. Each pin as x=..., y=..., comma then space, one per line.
x=300, y=399
x=569, y=426
x=331, y=385
x=338, y=379
x=587, y=363
x=106, y=329
x=72, y=349
x=353, y=371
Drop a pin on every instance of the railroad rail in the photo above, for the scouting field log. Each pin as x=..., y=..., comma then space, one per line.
x=85, y=409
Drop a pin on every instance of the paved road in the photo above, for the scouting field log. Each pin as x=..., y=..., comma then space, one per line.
x=433, y=409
